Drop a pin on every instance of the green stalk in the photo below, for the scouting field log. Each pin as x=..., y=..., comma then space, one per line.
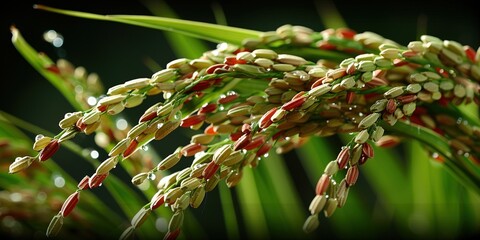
x=228, y=210
x=251, y=206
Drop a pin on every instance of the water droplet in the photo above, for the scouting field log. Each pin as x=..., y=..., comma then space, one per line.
x=121, y=124
x=360, y=114
x=38, y=137
x=59, y=181
x=67, y=115
x=221, y=108
x=152, y=176
x=350, y=109
x=160, y=125
x=459, y=120
x=265, y=155
x=435, y=155
x=17, y=159
x=94, y=154
x=466, y=154
x=145, y=148
x=91, y=101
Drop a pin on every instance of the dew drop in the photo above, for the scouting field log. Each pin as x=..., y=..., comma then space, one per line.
x=121, y=124
x=221, y=108
x=466, y=154
x=94, y=154
x=265, y=155
x=67, y=115
x=38, y=137
x=360, y=114
x=160, y=125
x=91, y=101
x=59, y=181
x=152, y=176
x=145, y=148
x=18, y=159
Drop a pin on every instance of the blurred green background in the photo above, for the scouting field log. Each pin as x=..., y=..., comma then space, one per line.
x=401, y=193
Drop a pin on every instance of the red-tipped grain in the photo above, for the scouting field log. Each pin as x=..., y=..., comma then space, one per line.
x=210, y=130
x=207, y=108
x=130, y=149
x=388, y=141
x=322, y=184
x=367, y=150
x=351, y=68
x=317, y=82
x=399, y=62
x=192, y=149
x=255, y=143
x=236, y=135
x=53, y=69
x=264, y=149
x=96, y=180
x=391, y=106
x=350, y=97
x=294, y=103
x=346, y=33
x=343, y=157
x=157, y=200
x=470, y=52
x=201, y=86
x=227, y=98
x=352, y=175
x=233, y=60
x=265, y=121
x=102, y=108
x=324, y=45
x=192, y=120
x=210, y=169
x=243, y=141
x=70, y=204
x=80, y=125
x=404, y=99
x=148, y=116
x=49, y=150
x=172, y=235
x=83, y=184
x=212, y=68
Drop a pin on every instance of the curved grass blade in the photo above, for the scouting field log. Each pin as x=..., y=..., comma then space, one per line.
x=461, y=167
x=207, y=31
x=251, y=207
x=183, y=46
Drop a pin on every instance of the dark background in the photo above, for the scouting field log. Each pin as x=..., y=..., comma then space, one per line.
x=116, y=51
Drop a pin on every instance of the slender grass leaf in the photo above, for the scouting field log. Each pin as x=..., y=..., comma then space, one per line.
x=206, y=31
